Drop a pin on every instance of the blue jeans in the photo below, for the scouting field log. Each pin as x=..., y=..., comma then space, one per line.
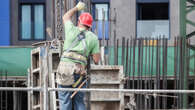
x=77, y=101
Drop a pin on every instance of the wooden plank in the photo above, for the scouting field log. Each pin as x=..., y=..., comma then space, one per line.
x=45, y=73
x=53, y=100
x=13, y=78
x=105, y=67
x=35, y=58
x=36, y=77
x=53, y=61
x=121, y=95
x=100, y=76
x=35, y=51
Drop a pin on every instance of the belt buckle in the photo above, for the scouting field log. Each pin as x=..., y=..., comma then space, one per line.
x=79, y=57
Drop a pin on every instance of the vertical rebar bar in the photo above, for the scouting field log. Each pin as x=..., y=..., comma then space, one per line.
x=123, y=52
x=138, y=72
x=163, y=70
x=187, y=60
x=149, y=73
x=103, y=27
x=117, y=48
x=110, y=23
x=177, y=70
x=156, y=75
x=130, y=47
x=153, y=81
x=134, y=46
x=107, y=52
x=127, y=57
x=166, y=58
x=141, y=70
x=109, y=42
x=145, y=75
x=181, y=75
x=130, y=62
x=158, y=70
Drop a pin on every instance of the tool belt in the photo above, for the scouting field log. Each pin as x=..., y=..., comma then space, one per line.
x=66, y=71
x=74, y=56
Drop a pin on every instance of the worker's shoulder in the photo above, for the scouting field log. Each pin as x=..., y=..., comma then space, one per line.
x=91, y=35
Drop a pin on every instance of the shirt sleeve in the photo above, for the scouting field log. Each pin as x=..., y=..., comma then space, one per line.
x=69, y=27
x=95, y=48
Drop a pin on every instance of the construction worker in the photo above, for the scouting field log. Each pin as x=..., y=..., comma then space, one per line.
x=79, y=43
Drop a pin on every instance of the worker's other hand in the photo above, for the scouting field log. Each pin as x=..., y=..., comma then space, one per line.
x=80, y=6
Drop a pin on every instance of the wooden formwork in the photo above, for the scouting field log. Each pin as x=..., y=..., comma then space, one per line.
x=108, y=77
x=36, y=76
x=53, y=61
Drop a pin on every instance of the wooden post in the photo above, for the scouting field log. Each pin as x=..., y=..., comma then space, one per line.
x=45, y=77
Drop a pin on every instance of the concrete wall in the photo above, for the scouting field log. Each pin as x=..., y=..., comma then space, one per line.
x=125, y=18
x=174, y=19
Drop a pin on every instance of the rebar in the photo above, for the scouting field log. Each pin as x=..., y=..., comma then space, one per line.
x=134, y=46
x=127, y=58
x=123, y=52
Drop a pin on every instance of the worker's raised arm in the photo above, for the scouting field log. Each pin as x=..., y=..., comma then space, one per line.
x=68, y=15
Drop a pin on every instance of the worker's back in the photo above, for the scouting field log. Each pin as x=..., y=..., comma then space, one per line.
x=88, y=45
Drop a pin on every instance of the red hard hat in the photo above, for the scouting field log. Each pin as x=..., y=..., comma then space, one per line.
x=86, y=19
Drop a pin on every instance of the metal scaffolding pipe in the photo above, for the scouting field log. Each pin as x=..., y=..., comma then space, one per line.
x=20, y=89
x=137, y=91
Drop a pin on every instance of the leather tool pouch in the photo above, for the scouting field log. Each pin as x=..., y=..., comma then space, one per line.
x=65, y=73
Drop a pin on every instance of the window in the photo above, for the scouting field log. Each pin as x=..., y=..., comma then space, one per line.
x=153, y=11
x=153, y=18
x=100, y=12
x=32, y=21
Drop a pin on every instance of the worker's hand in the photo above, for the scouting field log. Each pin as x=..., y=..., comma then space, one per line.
x=83, y=72
x=80, y=6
